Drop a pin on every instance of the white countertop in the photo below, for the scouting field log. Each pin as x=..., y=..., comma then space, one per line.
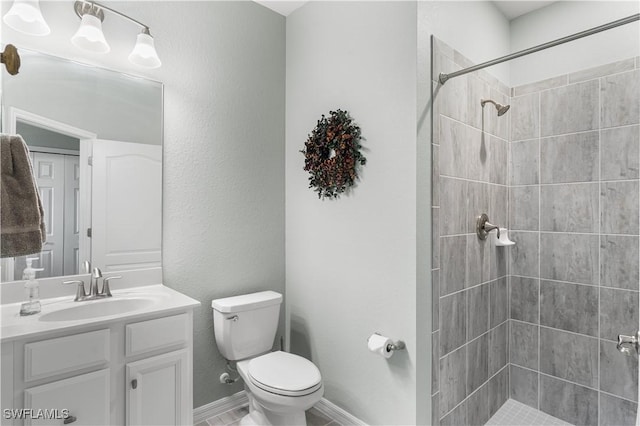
x=162, y=299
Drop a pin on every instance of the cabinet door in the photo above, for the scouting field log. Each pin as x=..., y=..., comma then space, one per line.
x=86, y=397
x=157, y=390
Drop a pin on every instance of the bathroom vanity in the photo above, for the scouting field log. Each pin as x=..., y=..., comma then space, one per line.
x=126, y=360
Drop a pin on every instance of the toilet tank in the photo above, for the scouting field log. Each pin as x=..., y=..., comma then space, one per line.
x=246, y=325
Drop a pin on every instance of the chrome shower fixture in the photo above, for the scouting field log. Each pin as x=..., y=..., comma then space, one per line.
x=501, y=108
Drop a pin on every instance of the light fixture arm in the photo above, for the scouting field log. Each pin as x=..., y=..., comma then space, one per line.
x=82, y=7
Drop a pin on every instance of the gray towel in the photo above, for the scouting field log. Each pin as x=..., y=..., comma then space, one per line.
x=22, y=229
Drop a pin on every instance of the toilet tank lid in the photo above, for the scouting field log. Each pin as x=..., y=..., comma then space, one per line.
x=246, y=302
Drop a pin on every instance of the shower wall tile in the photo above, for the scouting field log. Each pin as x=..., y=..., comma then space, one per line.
x=525, y=117
x=620, y=207
x=620, y=99
x=569, y=158
x=477, y=363
x=453, y=206
x=498, y=158
x=572, y=403
x=569, y=109
x=454, y=97
x=452, y=270
x=538, y=86
x=569, y=257
x=478, y=89
x=616, y=411
x=435, y=238
x=435, y=299
x=618, y=313
x=574, y=213
x=524, y=386
x=478, y=261
x=570, y=208
x=456, y=417
x=619, y=266
x=569, y=356
x=524, y=162
x=435, y=175
x=499, y=302
x=618, y=373
x=498, y=210
x=477, y=311
x=435, y=409
x=620, y=153
x=570, y=307
x=435, y=362
x=524, y=254
x=453, y=380
x=498, y=348
x=454, y=148
x=524, y=299
x=478, y=406
x=453, y=322
x=523, y=345
x=499, y=261
x=524, y=207
x=498, y=390
x=600, y=71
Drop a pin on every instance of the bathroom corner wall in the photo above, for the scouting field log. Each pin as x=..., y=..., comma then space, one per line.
x=574, y=209
x=351, y=262
x=470, y=148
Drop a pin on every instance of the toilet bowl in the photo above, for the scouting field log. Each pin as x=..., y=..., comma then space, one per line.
x=280, y=386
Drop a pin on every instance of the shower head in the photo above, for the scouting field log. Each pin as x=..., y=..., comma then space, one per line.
x=501, y=108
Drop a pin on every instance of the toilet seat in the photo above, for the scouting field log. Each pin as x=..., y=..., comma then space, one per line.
x=284, y=374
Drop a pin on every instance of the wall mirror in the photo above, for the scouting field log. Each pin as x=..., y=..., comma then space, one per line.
x=95, y=138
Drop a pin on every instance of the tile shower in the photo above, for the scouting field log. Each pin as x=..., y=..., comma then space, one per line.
x=536, y=322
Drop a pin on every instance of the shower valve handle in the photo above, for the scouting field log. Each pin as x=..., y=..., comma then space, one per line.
x=626, y=343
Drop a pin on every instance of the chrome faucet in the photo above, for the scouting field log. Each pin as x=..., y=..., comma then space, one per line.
x=97, y=274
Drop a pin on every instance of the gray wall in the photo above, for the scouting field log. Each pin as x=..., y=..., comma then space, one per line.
x=470, y=310
x=351, y=262
x=574, y=192
x=224, y=76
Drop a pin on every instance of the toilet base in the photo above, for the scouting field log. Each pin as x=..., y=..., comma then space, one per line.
x=258, y=415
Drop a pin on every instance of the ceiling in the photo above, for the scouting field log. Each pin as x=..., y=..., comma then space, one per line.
x=510, y=9
x=513, y=9
x=283, y=7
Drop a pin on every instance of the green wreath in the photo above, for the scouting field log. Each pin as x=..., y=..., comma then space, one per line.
x=332, y=154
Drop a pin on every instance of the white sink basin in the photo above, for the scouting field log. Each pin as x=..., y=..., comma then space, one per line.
x=98, y=308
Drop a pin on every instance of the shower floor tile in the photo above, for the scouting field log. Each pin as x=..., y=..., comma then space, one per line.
x=514, y=413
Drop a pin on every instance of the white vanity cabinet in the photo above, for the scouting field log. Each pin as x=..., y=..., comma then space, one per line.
x=135, y=371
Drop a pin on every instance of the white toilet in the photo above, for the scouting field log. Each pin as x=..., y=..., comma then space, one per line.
x=280, y=386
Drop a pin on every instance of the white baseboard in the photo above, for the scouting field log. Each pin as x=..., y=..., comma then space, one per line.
x=239, y=399
x=336, y=413
x=222, y=405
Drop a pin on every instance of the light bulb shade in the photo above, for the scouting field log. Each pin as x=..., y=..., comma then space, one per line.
x=144, y=52
x=89, y=36
x=25, y=16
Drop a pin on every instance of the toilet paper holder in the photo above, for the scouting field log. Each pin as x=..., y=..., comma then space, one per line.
x=396, y=345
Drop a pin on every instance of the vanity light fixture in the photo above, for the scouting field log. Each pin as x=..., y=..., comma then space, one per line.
x=90, y=37
x=25, y=16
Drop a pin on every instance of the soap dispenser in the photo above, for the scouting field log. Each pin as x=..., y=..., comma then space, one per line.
x=32, y=289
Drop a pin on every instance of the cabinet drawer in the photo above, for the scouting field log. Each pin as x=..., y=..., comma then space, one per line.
x=64, y=354
x=146, y=336
x=85, y=397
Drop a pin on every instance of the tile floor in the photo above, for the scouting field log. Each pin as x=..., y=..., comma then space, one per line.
x=232, y=418
x=513, y=413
